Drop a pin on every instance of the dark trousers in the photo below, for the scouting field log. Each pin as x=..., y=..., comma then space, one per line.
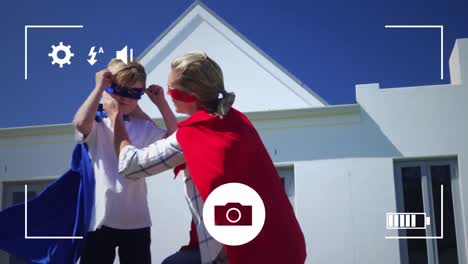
x=185, y=256
x=133, y=246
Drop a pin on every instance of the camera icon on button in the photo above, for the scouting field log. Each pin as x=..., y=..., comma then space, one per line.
x=234, y=214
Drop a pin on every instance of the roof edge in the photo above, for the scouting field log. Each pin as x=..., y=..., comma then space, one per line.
x=312, y=112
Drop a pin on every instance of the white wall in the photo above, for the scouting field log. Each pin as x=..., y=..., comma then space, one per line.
x=341, y=205
x=36, y=157
x=344, y=185
x=344, y=170
x=429, y=121
x=426, y=122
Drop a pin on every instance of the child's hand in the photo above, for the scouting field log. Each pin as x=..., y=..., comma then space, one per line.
x=103, y=79
x=156, y=94
x=111, y=106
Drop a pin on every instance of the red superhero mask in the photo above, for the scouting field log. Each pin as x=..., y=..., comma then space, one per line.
x=181, y=95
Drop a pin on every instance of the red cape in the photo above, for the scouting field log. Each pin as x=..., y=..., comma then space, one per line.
x=219, y=151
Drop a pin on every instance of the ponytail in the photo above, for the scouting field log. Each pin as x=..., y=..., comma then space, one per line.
x=225, y=103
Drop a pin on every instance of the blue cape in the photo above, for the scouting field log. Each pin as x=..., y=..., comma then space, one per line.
x=63, y=209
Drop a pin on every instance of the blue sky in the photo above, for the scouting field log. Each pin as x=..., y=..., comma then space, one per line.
x=329, y=45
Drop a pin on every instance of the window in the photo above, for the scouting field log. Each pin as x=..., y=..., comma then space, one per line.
x=13, y=193
x=286, y=173
x=418, y=185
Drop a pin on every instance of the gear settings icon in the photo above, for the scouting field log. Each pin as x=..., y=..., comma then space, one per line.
x=64, y=52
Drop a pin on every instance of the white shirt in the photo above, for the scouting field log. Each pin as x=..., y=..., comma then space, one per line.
x=118, y=202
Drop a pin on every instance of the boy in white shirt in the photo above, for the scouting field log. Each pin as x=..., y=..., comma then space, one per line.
x=120, y=215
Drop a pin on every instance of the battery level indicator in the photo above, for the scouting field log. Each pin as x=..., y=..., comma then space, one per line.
x=407, y=221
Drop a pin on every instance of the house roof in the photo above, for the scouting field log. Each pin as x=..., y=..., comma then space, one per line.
x=259, y=82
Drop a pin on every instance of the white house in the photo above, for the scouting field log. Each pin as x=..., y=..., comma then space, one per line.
x=344, y=166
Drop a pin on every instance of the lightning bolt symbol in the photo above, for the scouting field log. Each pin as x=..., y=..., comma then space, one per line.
x=92, y=54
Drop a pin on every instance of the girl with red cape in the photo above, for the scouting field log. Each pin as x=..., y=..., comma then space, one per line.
x=216, y=145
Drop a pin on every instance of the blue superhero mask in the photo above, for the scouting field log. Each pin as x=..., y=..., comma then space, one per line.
x=124, y=91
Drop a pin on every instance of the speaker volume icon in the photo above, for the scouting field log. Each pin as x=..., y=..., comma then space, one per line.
x=123, y=55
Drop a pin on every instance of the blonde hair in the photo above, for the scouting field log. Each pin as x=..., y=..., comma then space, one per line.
x=202, y=77
x=127, y=74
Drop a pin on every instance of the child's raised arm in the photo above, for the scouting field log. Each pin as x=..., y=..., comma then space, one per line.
x=84, y=117
x=156, y=94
